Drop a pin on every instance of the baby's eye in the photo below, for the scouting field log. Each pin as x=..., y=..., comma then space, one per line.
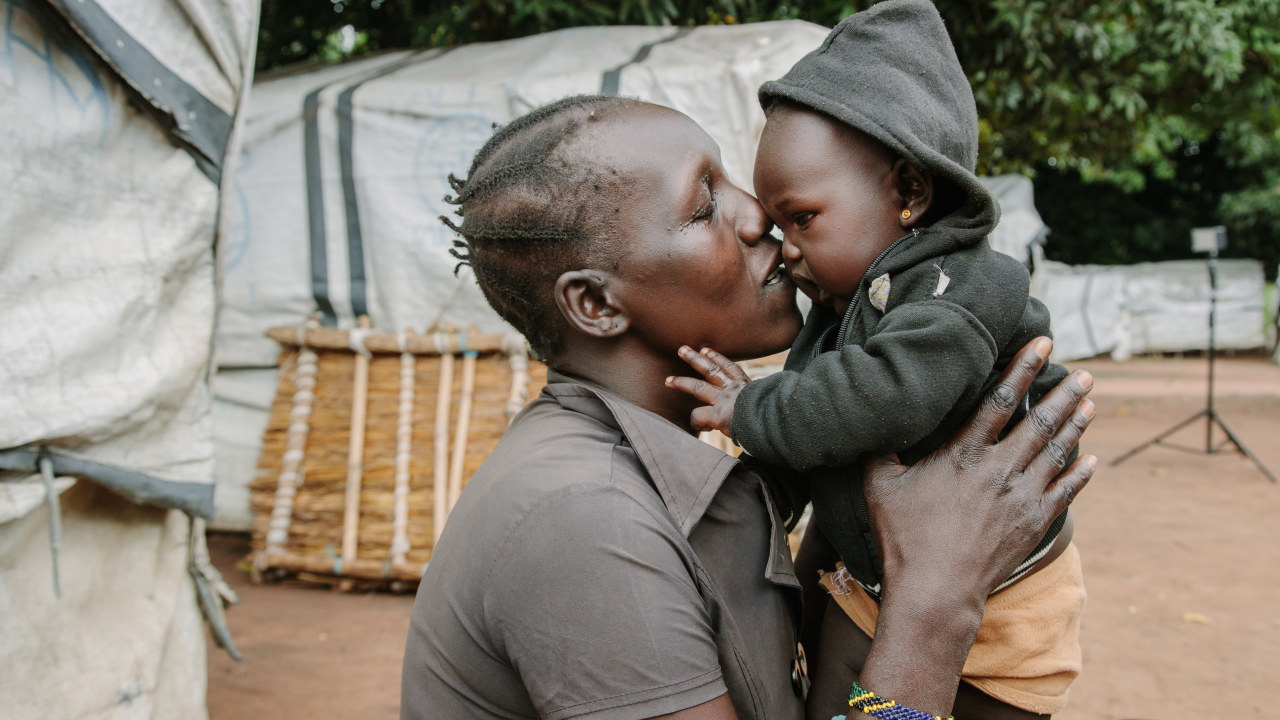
x=802, y=219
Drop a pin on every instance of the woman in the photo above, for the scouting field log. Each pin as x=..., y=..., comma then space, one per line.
x=602, y=562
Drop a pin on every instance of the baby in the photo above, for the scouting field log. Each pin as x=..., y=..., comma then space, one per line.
x=866, y=165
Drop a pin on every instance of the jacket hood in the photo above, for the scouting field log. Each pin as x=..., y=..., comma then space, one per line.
x=891, y=72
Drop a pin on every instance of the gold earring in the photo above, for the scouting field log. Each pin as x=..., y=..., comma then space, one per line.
x=906, y=213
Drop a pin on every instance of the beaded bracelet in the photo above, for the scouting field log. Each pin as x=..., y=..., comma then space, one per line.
x=878, y=707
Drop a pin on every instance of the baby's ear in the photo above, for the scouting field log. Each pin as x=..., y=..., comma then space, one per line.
x=915, y=192
x=589, y=306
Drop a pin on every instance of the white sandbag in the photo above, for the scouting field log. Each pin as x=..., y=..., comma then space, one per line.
x=1168, y=305
x=1086, y=306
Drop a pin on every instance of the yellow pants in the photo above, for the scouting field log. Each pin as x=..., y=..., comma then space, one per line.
x=1027, y=652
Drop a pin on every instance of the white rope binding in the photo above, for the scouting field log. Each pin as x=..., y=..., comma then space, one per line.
x=517, y=350
x=404, y=443
x=304, y=384
x=440, y=452
x=355, y=340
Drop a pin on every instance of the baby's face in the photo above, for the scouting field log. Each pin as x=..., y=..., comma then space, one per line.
x=832, y=192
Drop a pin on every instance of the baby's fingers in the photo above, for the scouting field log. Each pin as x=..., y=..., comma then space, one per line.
x=728, y=368
x=708, y=364
x=701, y=389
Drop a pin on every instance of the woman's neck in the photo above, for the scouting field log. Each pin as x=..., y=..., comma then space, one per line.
x=637, y=377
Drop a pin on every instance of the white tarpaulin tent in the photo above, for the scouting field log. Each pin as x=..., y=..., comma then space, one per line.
x=118, y=117
x=337, y=195
x=1021, y=229
x=344, y=169
x=338, y=191
x=1273, y=310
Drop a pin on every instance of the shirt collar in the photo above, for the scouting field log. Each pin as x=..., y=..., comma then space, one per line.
x=686, y=471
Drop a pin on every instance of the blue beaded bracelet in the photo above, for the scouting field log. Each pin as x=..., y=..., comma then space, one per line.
x=875, y=706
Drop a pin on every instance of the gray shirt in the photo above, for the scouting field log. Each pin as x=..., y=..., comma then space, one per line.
x=603, y=563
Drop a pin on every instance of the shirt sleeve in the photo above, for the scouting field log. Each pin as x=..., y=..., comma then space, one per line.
x=597, y=607
x=883, y=396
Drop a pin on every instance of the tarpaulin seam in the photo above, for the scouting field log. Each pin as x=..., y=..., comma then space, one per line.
x=316, y=223
x=192, y=498
x=346, y=159
x=315, y=204
x=199, y=126
x=611, y=80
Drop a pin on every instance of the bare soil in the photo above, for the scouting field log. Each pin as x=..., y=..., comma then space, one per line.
x=1181, y=553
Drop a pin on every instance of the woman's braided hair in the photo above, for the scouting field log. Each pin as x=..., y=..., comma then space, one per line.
x=530, y=211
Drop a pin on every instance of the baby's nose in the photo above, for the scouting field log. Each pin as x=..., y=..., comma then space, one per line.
x=790, y=251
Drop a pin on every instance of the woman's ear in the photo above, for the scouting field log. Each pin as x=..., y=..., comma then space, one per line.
x=915, y=192
x=587, y=304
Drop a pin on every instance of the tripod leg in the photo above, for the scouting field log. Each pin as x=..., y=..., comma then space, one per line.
x=1214, y=417
x=1156, y=440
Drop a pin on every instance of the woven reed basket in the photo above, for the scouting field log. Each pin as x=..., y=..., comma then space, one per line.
x=365, y=452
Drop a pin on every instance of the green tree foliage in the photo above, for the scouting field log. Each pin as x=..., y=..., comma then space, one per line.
x=1174, y=104
x=1134, y=94
x=1097, y=223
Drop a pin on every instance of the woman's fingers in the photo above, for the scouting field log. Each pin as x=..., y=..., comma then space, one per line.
x=1052, y=458
x=1063, y=492
x=993, y=414
x=1036, y=438
x=882, y=468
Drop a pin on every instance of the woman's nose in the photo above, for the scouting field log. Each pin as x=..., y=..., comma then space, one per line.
x=752, y=223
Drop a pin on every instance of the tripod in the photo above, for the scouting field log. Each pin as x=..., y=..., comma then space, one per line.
x=1209, y=413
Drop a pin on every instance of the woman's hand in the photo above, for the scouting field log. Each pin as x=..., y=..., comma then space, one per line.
x=955, y=525
x=978, y=506
x=723, y=380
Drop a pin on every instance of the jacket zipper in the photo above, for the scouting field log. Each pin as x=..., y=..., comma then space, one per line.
x=860, y=509
x=847, y=321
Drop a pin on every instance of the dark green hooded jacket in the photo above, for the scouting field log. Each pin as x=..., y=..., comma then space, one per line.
x=902, y=370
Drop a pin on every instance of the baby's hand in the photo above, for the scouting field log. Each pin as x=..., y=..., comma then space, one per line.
x=724, y=380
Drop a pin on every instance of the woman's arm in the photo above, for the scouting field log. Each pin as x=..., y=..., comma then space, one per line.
x=962, y=520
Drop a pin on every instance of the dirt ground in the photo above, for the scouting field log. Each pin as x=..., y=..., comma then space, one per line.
x=1181, y=553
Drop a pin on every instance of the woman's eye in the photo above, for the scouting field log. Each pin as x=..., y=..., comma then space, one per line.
x=802, y=219
x=707, y=204
x=706, y=210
